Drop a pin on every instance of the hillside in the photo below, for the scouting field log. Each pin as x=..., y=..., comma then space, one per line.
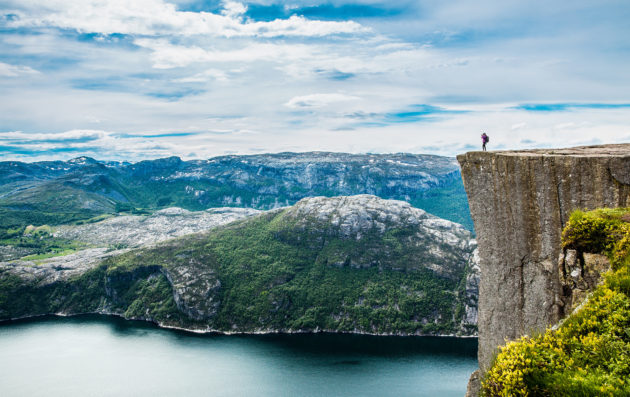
x=56, y=192
x=347, y=264
x=113, y=232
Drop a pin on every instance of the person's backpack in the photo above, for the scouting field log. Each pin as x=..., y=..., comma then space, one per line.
x=487, y=139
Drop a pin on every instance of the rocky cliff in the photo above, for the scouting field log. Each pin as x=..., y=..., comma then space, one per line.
x=519, y=201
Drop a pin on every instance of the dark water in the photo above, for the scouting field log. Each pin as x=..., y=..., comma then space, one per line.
x=97, y=356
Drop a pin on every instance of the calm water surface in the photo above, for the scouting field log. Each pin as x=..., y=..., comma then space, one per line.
x=97, y=356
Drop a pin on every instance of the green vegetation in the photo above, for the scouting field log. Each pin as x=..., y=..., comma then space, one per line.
x=54, y=252
x=36, y=243
x=589, y=354
x=275, y=275
x=126, y=208
x=95, y=219
x=144, y=293
x=272, y=272
x=51, y=203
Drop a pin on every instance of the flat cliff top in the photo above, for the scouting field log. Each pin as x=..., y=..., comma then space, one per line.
x=613, y=150
x=520, y=201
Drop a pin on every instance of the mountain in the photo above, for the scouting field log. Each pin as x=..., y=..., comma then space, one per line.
x=342, y=264
x=56, y=192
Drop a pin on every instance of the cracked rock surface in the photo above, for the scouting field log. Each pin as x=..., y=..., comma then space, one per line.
x=520, y=201
x=137, y=231
x=442, y=243
x=58, y=268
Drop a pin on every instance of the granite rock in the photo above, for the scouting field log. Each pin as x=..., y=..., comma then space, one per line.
x=520, y=201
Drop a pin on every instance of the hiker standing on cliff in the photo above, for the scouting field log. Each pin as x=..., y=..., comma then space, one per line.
x=484, y=139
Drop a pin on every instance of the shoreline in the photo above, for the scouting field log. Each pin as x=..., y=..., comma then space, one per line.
x=209, y=331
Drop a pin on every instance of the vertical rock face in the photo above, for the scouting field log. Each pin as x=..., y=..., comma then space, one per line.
x=520, y=201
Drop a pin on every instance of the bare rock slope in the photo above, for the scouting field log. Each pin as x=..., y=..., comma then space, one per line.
x=436, y=242
x=137, y=230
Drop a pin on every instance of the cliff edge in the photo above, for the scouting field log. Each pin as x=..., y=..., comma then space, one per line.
x=520, y=201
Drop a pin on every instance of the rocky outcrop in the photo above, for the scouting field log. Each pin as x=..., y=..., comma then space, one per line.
x=471, y=317
x=140, y=230
x=195, y=289
x=59, y=268
x=580, y=273
x=520, y=201
x=441, y=242
x=474, y=384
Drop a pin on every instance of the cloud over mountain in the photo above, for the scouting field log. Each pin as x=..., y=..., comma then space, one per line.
x=318, y=75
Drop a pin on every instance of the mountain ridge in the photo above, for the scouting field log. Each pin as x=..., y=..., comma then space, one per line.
x=31, y=193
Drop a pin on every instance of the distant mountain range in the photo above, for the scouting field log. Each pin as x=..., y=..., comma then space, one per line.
x=57, y=192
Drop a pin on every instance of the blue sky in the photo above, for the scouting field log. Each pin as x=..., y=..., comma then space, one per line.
x=133, y=80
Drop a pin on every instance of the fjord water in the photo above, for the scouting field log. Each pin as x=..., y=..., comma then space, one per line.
x=98, y=356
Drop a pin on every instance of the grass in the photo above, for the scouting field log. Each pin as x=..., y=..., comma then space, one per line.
x=53, y=253
x=94, y=219
x=38, y=242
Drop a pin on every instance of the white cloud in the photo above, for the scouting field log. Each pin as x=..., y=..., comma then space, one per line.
x=7, y=70
x=317, y=100
x=59, y=136
x=209, y=74
x=303, y=84
x=447, y=136
x=572, y=125
x=233, y=9
x=518, y=126
x=166, y=55
x=159, y=18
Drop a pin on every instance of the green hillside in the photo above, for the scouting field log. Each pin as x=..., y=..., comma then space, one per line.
x=358, y=264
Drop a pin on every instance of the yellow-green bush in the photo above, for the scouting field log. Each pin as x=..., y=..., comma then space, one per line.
x=589, y=354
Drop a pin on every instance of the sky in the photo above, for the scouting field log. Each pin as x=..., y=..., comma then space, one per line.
x=144, y=79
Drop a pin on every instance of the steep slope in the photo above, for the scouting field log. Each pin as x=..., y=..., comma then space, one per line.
x=520, y=202
x=350, y=264
x=588, y=354
x=261, y=182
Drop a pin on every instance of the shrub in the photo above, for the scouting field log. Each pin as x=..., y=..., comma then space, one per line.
x=589, y=354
